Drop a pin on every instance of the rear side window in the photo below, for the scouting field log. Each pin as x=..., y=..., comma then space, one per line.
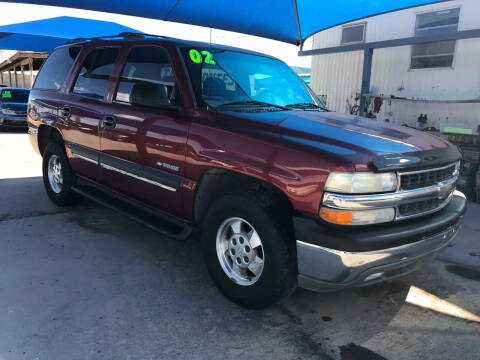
x=148, y=71
x=95, y=72
x=56, y=68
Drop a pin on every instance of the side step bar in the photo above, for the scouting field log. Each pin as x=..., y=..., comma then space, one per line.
x=155, y=220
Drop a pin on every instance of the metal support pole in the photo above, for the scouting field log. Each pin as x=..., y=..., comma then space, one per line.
x=366, y=76
x=23, y=76
x=299, y=29
x=16, y=77
x=30, y=66
x=9, y=77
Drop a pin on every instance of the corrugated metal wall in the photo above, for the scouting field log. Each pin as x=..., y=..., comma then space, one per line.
x=338, y=76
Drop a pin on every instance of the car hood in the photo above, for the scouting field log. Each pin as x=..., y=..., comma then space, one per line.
x=353, y=138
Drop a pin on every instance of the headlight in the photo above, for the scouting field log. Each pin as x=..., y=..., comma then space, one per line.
x=8, y=112
x=361, y=183
x=360, y=217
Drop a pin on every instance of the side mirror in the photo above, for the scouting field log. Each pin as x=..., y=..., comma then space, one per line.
x=152, y=95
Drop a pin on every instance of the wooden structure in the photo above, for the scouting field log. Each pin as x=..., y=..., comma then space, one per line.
x=20, y=70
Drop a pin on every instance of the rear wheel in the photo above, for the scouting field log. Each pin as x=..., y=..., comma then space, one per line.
x=249, y=251
x=58, y=176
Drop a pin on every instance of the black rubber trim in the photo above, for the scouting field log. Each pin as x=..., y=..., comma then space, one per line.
x=417, y=160
x=371, y=238
x=161, y=177
x=85, y=152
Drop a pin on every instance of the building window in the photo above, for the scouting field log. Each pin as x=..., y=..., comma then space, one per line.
x=438, y=54
x=352, y=34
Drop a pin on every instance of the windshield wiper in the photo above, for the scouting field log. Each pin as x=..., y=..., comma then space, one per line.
x=306, y=105
x=252, y=102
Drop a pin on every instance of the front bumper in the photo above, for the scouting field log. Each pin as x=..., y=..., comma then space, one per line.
x=372, y=254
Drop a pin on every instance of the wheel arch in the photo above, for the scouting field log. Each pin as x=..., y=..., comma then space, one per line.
x=217, y=182
x=47, y=133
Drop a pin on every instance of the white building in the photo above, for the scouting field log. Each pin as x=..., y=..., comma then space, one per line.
x=440, y=79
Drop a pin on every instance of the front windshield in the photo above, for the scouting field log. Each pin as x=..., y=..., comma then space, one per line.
x=224, y=78
x=14, y=96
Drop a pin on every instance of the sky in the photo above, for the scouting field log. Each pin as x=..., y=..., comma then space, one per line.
x=11, y=13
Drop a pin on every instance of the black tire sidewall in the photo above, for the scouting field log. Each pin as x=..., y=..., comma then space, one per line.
x=278, y=278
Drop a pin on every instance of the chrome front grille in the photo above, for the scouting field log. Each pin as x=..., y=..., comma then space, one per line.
x=443, y=179
x=426, y=178
x=418, y=207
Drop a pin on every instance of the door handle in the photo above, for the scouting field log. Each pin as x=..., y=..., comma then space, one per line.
x=109, y=121
x=66, y=112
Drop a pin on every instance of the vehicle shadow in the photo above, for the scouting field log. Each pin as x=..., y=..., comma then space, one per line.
x=13, y=130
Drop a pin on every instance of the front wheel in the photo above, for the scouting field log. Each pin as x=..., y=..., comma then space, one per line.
x=249, y=251
x=58, y=176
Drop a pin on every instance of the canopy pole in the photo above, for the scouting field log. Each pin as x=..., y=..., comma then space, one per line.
x=298, y=25
x=366, y=78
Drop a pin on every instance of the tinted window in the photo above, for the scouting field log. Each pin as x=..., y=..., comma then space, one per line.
x=353, y=34
x=95, y=72
x=14, y=96
x=55, y=69
x=147, y=66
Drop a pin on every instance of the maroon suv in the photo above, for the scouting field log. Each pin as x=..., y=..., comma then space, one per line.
x=183, y=135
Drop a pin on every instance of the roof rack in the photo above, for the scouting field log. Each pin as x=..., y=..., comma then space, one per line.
x=124, y=35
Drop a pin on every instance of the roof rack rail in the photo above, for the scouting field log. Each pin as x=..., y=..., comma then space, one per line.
x=124, y=35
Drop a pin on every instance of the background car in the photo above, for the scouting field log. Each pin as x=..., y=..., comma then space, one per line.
x=13, y=108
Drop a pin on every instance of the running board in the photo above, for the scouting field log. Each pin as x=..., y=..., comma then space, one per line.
x=162, y=223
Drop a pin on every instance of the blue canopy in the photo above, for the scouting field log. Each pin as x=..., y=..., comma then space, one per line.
x=291, y=21
x=45, y=35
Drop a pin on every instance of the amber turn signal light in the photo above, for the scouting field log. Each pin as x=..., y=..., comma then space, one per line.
x=360, y=217
x=336, y=216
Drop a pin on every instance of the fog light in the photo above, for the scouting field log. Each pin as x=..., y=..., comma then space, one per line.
x=362, y=217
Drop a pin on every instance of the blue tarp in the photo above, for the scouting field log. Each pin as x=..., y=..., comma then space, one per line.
x=45, y=35
x=274, y=19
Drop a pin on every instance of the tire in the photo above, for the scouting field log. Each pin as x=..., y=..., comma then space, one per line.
x=62, y=194
x=278, y=277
